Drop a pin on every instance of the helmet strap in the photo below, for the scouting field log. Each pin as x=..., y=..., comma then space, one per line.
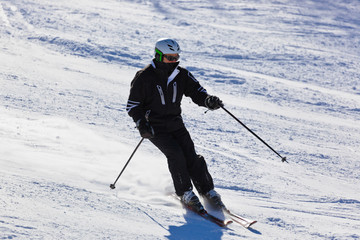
x=158, y=55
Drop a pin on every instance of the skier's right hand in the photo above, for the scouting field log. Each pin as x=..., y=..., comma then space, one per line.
x=145, y=129
x=213, y=102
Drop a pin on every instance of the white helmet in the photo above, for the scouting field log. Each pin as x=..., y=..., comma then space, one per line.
x=166, y=46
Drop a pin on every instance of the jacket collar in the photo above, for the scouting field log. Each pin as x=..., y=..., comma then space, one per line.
x=172, y=75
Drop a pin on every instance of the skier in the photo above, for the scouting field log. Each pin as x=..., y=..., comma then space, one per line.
x=154, y=104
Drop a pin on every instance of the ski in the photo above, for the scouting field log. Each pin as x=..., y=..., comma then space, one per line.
x=246, y=223
x=210, y=217
x=207, y=216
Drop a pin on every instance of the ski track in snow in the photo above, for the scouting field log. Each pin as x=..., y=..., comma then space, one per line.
x=289, y=70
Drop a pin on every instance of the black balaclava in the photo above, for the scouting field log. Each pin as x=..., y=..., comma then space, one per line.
x=164, y=69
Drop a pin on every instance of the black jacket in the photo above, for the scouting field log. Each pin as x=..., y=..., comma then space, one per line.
x=156, y=98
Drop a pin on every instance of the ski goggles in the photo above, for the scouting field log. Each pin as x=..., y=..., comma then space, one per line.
x=172, y=58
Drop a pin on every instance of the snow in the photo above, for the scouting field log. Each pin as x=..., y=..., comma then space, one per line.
x=289, y=70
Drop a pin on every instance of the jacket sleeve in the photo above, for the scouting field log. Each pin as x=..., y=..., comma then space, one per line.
x=194, y=90
x=135, y=102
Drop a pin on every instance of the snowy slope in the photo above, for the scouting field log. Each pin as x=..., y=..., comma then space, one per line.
x=289, y=70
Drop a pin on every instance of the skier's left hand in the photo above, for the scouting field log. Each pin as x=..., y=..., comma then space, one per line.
x=145, y=129
x=213, y=102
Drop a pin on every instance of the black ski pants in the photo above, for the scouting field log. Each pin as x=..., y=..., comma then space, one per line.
x=183, y=162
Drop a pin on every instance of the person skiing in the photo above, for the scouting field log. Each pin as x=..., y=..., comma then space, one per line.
x=154, y=104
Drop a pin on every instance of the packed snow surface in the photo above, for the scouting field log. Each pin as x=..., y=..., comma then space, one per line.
x=289, y=70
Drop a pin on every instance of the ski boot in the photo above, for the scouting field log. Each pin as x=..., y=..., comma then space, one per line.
x=192, y=201
x=214, y=199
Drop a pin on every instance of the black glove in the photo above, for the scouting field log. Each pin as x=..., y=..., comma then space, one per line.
x=145, y=129
x=213, y=102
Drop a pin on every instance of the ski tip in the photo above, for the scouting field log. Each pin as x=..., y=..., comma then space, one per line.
x=250, y=224
x=224, y=223
x=228, y=223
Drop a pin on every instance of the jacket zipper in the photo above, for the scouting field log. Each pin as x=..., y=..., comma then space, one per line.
x=147, y=114
x=161, y=94
x=174, y=92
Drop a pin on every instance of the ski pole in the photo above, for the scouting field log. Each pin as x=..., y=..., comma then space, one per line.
x=112, y=186
x=283, y=159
